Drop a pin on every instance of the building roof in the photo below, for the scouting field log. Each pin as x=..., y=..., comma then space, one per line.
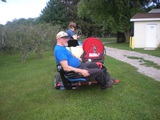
x=154, y=11
x=145, y=17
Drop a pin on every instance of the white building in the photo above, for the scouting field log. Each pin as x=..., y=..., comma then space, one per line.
x=147, y=29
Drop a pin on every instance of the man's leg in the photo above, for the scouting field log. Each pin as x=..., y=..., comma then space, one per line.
x=89, y=65
x=98, y=75
x=102, y=76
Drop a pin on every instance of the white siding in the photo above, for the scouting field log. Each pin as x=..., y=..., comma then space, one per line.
x=140, y=33
x=158, y=33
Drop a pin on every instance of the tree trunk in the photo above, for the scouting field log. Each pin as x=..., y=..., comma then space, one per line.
x=127, y=35
x=120, y=37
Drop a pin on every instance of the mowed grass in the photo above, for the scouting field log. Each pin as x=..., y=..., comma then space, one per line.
x=111, y=42
x=27, y=93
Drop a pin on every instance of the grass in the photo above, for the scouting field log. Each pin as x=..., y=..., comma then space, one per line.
x=125, y=46
x=145, y=62
x=27, y=93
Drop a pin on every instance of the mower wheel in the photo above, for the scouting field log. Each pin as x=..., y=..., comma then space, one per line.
x=57, y=81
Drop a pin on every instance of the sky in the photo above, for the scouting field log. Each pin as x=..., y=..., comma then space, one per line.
x=15, y=9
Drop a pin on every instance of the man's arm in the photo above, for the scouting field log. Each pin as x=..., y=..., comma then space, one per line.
x=80, y=59
x=66, y=67
x=75, y=37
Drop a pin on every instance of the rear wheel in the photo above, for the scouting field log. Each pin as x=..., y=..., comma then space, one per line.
x=57, y=81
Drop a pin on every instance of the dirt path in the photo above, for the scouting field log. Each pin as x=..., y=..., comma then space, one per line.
x=123, y=55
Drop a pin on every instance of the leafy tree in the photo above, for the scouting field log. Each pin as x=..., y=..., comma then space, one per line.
x=114, y=14
x=3, y=0
x=3, y=38
x=55, y=13
x=64, y=11
x=28, y=36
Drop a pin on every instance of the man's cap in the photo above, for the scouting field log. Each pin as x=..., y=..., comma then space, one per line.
x=62, y=34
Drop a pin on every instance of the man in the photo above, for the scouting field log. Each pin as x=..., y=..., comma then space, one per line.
x=71, y=63
x=70, y=31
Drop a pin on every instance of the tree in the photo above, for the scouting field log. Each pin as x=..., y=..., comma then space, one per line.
x=114, y=14
x=3, y=38
x=64, y=11
x=56, y=13
x=3, y=0
x=27, y=36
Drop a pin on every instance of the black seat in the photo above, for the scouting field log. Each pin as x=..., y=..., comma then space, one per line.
x=72, y=43
x=69, y=77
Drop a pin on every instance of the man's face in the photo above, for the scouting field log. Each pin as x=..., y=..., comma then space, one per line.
x=64, y=41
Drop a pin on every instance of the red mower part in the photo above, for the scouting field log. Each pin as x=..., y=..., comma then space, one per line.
x=85, y=42
x=59, y=84
x=99, y=64
x=86, y=83
x=93, y=48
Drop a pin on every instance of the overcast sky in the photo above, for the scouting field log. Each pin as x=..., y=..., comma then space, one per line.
x=15, y=9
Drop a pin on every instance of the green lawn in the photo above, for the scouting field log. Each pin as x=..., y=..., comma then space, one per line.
x=27, y=93
x=111, y=42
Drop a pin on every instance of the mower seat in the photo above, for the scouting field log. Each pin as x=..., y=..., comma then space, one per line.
x=76, y=79
x=70, y=76
x=67, y=80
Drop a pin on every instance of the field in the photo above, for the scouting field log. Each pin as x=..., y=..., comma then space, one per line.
x=27, y=93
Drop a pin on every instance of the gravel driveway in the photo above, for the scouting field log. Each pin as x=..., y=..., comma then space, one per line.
x=123, y=55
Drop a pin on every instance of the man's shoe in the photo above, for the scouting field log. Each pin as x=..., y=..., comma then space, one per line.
x=112, y=81
x=115, y=82
x=104, y=87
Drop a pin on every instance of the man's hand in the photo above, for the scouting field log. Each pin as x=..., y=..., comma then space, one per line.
x=80, y=59
x=84, y=73
x=78, y=36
